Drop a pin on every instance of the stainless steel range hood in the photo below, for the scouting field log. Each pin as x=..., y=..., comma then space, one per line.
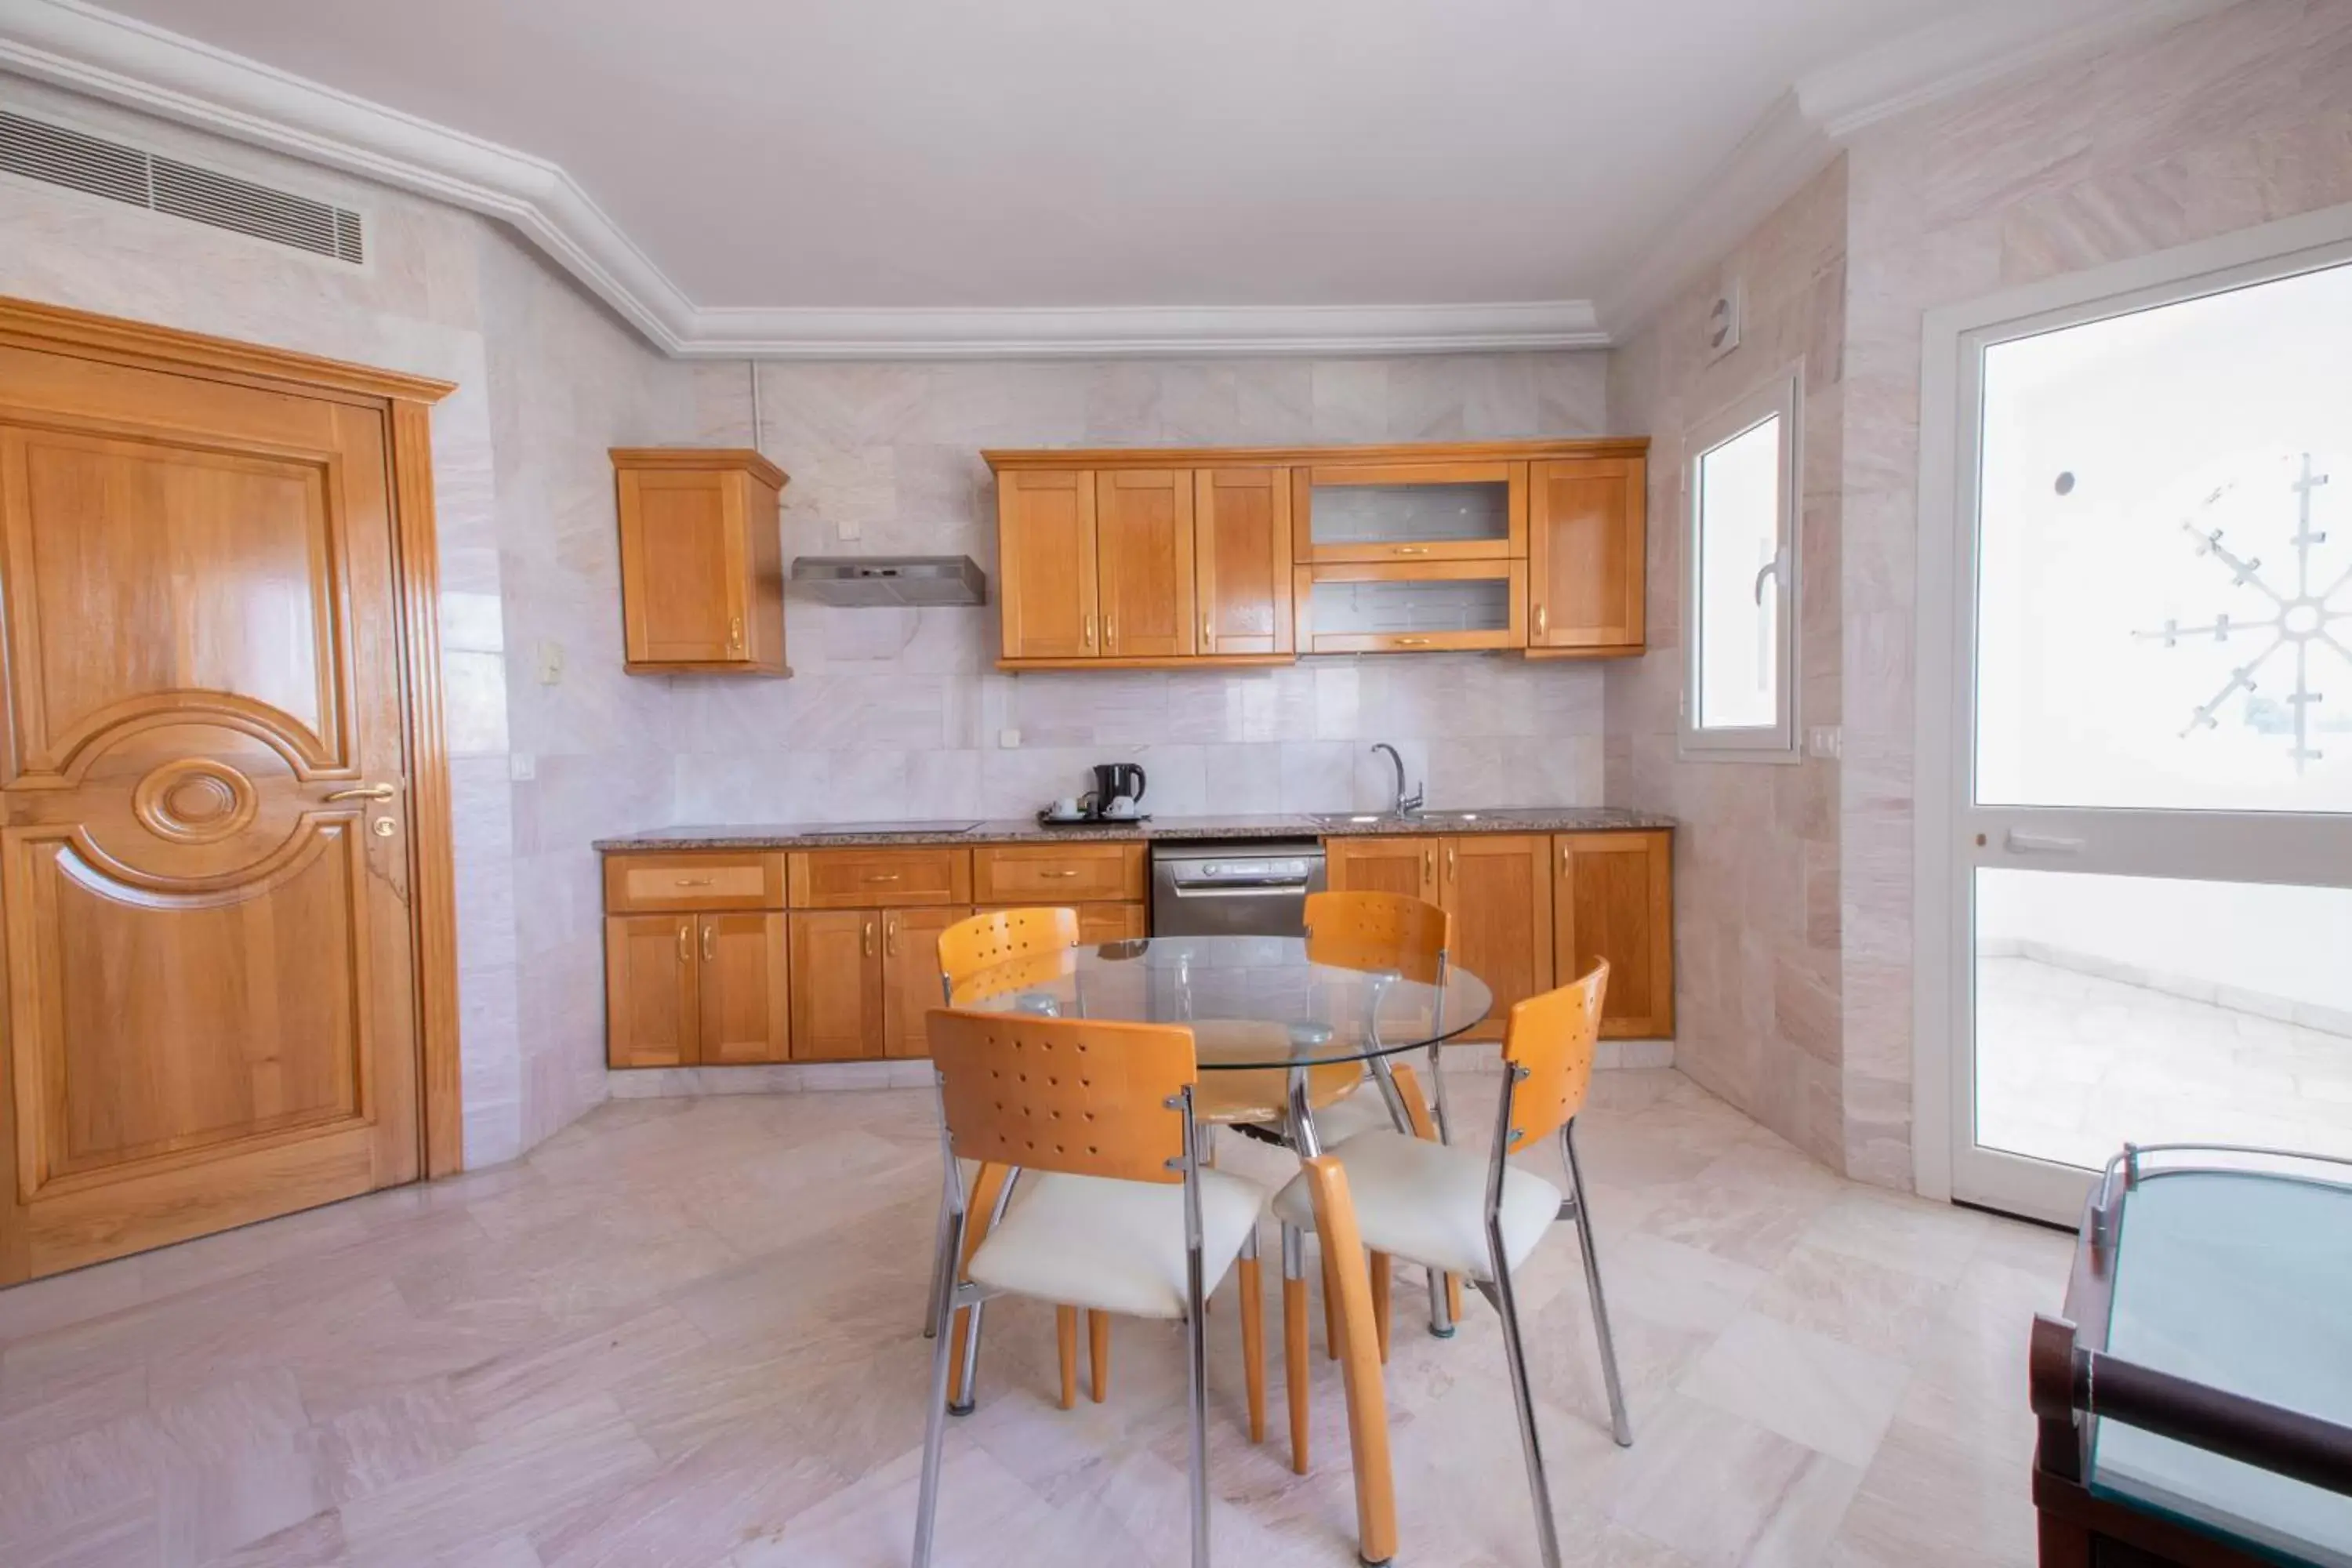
x=872, y=580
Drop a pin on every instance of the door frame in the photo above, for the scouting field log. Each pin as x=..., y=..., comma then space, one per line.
x=1951, y=340
x=406, y=402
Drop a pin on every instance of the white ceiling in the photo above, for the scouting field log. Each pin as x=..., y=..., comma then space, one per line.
x=874, y=155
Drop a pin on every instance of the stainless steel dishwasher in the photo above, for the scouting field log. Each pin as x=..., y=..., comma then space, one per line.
x=1246, y=887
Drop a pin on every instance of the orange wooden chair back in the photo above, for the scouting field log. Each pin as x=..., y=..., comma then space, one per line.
x=984, y=942
x=1554, y=1036
x=1080, y=1096
x=1378, y=931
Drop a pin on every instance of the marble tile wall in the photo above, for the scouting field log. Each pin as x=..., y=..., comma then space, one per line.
x=2236, y=118
x=1758, y=1009
x=893, y=713
x=524, y=516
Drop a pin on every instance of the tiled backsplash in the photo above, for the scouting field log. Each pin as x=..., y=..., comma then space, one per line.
x=902, y=712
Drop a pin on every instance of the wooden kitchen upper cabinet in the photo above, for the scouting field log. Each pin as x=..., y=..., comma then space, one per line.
x=1613, y=898
x=837, y=1001
x=1498, y=888
x=1586, y=538
x=1241, y=559
x=1143, y=563
x=702, y=571
x=651, y=998
x=1428, y=508
x=1045, y=586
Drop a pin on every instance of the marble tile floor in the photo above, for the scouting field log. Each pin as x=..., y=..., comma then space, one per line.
x=683, y=1333
x=2073, y=1065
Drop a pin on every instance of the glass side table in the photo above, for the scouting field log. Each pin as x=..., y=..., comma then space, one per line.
x=2195, y=1402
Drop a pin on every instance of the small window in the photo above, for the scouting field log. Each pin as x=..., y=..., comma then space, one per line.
x=1740, y=580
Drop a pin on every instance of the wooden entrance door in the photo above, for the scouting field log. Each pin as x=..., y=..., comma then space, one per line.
x=212, y=1000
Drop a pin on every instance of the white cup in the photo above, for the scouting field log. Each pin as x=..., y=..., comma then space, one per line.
x=1120, y=806
x=1066, y=806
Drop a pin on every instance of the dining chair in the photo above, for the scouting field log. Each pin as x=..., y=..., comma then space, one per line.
x=1116, y=1211
x=1480, y=1215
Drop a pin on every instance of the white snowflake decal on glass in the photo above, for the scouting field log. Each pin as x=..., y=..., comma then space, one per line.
x=2301, y=621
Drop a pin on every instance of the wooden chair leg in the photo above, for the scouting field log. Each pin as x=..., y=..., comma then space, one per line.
x=1066, y=1339
x=1454, y=1297
x=1294, y=1365
x=985, y=1186
x=1330, y=1310
x=1254, y=1347
x=1098, y=1354
x=1380, y=1301
x=1368, y=1420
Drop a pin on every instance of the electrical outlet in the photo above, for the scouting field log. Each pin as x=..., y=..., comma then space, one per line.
x=846, y=528
x=521, y=767
x=1009, y=739
x=1825, y=740
x=550, y=663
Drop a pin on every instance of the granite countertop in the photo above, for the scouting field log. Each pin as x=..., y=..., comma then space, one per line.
x=818, y=836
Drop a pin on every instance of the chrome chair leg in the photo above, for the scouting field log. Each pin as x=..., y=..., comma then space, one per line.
x=962, y=1405
x=935, y=1423
x=938, y=1266
x=1514, y=1350
x=1196, y=1334
x=1621, y=1427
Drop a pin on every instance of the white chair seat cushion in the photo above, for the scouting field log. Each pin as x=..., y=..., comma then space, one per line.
x=1117, y=1247
x=1364, y=1110
x=1427, y=1203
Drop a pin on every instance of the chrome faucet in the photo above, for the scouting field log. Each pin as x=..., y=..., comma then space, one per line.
x=1406, y=805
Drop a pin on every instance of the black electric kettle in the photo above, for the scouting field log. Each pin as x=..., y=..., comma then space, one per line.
x=1117, y=781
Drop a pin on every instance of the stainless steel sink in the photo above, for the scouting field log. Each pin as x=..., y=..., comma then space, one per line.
x=1435, y=818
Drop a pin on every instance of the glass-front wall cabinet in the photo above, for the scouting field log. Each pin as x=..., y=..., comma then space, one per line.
x=1412, y=511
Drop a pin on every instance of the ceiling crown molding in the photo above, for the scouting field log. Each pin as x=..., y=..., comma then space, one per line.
x=83, y=48
x=1805, y=128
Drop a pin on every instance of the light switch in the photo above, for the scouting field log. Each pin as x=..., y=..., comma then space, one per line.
x=847, y=528
x=1826, y=740
x=521, y=766
x=550, y=663
x=1009, y=739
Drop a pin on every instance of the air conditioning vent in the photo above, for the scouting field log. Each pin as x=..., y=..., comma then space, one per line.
x=62, y=156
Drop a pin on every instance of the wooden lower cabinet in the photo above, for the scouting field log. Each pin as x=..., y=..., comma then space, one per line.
x=1498, y=887
x=910, y=977
x=1405, y=866
x=696, y=990
x=1113, y=923
x=837, y=1001
x=1614, y=897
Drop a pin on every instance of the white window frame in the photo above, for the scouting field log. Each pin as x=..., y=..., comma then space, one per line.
x=1783, y=395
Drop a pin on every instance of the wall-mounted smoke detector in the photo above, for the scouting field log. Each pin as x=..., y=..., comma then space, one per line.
x=1723, y=318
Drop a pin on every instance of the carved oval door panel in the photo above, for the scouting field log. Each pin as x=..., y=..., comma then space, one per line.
x=211, y=992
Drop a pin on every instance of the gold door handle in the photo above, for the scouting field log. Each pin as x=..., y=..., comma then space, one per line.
x=1540, y=620
x=1110, y=634
x=367, y=792
x=1412, y=642
x=1208, y=634
x=869, y=939
x=882, y=876
x=891, y=936
x=735, y=632
x=685, y=942
x=1429, y=865
x=1089, y=632
x=1061, y=873
x=695, y=881
x=1449, y=860
x=709, y=940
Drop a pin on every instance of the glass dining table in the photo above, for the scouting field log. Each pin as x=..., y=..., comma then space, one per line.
x=1288, y=1016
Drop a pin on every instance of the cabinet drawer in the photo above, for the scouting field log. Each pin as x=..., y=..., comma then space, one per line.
x=1057, y=873
x=879, y=878
x=694, y=879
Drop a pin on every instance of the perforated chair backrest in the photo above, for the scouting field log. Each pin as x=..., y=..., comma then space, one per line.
x=1379, y=931
x=1080, y=1096
x=1554, y=1037
x=983, y=942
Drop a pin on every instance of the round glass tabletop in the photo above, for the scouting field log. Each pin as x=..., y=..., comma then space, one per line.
x=1254, y=1002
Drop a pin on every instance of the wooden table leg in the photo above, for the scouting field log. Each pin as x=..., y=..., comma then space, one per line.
x=1359, y=1364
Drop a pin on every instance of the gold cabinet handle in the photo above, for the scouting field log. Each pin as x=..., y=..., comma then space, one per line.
x=695, y=881
x=881, y=876
x=709, y=940
x=1110, y=634
x=1208, y=634
x=735, y=632
x=366, y=792
x=1449, y=860
x=1540, y=620
x=1429, y=864
x=869, y=939
x=1089, y=632
x=685, y=942
x=1411, y=549
x=890, y=935
x=1064, y=872
x=1412, y=642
